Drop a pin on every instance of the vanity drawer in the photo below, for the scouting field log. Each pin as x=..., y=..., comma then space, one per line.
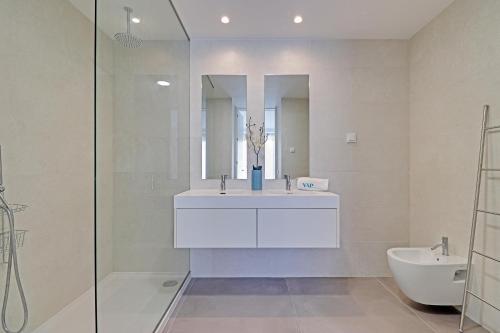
x=216, y=228
x=297, y=228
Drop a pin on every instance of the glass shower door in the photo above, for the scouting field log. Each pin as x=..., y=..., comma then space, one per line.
x=142, y=155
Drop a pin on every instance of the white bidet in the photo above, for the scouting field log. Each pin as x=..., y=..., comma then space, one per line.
x=426, y=277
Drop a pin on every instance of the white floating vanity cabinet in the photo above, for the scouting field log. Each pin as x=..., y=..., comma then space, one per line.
x=266, y=219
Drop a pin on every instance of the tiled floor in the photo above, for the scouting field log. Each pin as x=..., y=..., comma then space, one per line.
x=307, y=305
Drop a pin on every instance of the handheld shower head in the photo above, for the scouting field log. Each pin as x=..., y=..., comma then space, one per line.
x=12, y=264
x=126, y=38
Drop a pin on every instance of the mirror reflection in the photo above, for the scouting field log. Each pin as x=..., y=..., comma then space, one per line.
x=223, y=120
x=287, y=126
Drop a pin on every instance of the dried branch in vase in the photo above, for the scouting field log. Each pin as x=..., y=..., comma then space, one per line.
x=256, y=138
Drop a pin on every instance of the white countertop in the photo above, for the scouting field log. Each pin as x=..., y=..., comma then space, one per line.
x=255, y=199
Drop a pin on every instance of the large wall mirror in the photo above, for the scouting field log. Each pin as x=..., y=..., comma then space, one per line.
x=223, y=120
x=287, y=125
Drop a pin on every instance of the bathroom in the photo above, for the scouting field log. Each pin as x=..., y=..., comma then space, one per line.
x=135, y=209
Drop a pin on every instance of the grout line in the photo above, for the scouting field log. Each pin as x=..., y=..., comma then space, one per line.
x=295, y=312
x=406, y=305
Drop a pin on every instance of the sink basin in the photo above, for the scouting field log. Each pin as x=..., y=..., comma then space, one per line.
x=281, y=192
x=255, y=199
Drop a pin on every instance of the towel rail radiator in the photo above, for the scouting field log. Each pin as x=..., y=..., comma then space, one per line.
x=485, y=128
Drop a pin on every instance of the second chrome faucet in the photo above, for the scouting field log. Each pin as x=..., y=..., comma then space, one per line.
x=443, y=245
x=223, y=184
x=288, y=183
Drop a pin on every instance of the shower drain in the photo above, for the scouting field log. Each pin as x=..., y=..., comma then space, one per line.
x=169, y=283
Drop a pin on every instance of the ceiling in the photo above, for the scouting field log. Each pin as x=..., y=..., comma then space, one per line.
x=346, y=19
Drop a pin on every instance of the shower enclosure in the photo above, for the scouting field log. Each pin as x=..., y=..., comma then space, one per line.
x=94, y=131
x=142, y=158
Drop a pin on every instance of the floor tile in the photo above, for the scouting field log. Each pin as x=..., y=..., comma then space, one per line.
x=307, y=305
x=234, y=325
x=318, y=286
x=442, y=319
x=326, y=306
x=362, y=324
x=399, y=324
x=382, y=304
x=337, y=325
x=335, y=286
x=238, y=286
x=236, y=306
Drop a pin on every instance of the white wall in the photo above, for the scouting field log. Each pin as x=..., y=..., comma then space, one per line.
x=359, y=86
x=454, y=70
x=46, y=132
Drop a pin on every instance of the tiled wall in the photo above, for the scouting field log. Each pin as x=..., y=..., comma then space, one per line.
x=104, y=151
x=46, y=131
x=355, y=86
x=454, y=70
x=151, y=154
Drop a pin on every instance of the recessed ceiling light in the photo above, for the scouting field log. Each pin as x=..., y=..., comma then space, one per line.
x=297, y=19
x=225, y=19
x=163, y=83
x=136, y=20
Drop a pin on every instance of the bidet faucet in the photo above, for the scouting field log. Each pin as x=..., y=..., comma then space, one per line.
x=443, y=245
x=223, y=183
x=288, y=183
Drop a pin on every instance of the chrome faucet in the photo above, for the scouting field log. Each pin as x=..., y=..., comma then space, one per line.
x=223, y=184
x=443, y=245
x=288, y=183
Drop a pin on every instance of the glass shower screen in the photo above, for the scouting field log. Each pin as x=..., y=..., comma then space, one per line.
x=142, y=156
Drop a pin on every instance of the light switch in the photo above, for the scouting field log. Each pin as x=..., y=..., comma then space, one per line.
x=292, y=150
x=351, y=138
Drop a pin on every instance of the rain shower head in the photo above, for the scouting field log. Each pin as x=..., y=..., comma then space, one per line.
x=126, y=38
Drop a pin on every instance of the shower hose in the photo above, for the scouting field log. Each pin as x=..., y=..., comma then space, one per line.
x=12, y=262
